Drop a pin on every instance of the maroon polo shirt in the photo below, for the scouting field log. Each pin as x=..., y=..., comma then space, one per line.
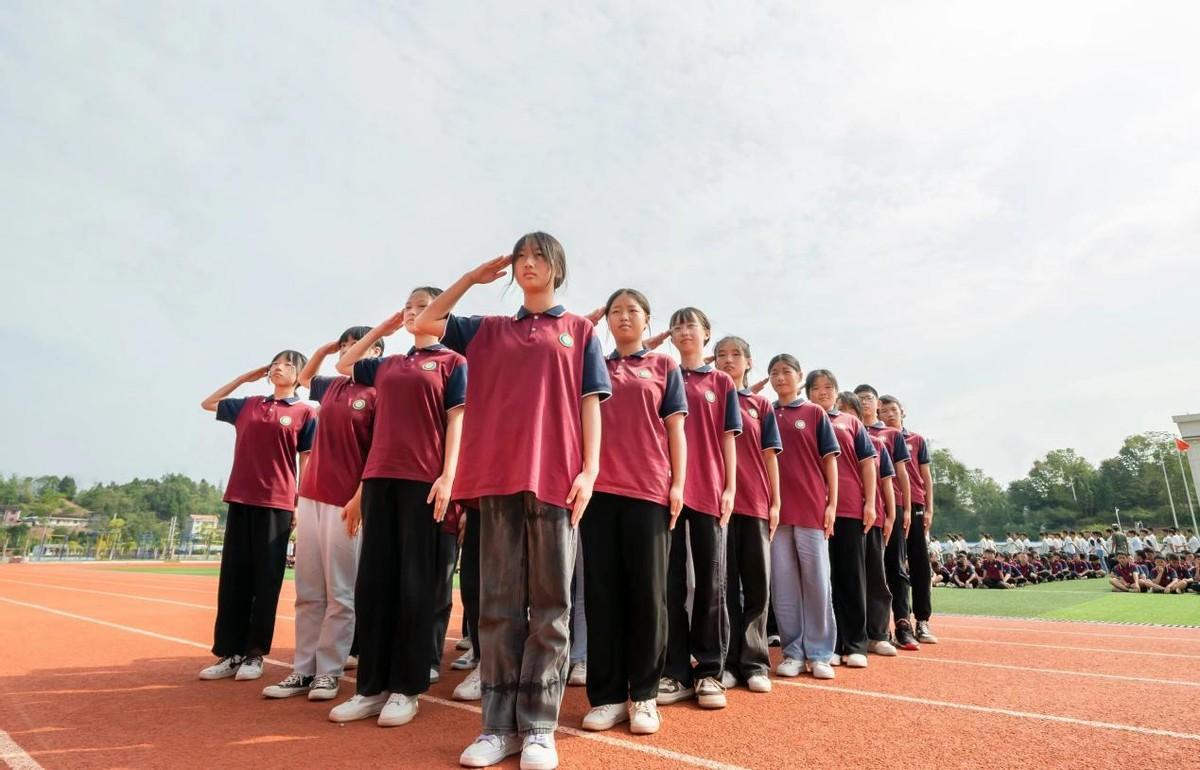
x=335, y=466
x=413, y=394
x=529, y=373
x=807, y=438
x=760, y=433
x=713, y=411
x=856, y=446
x=918, y=450
x=635, y=459
x=270, y=434
x=885, y=470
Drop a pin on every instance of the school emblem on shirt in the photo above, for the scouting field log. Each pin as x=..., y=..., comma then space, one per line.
x=566, y=339
x=710, y=397
x=358, y=404
x=753, y=412
x=285, y=421
x=643, y=373
x=800, y=424
x=429, y=366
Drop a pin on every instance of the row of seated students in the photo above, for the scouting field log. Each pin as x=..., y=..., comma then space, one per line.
x=1146, y=572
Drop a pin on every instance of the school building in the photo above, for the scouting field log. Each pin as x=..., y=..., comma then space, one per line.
x=1189, y=429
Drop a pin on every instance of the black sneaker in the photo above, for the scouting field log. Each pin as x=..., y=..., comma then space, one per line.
x=904, y=637
x=295, y=684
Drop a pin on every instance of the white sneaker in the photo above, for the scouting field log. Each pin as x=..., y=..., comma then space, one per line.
x=539, y=752
x=469, y=688
x=820, y=670
x=836, y=660
x=728, y=680
x=465, y=662
x=672, y=691
x=358, y=707
x=324, y=687
x=294, y=684
x=788, y=667
x=884, y=649
x=759, y=683
x=251, y=668
x=605, y=717
x=578, y=675
x=710, y=693
x=351, y=662
x=223, y=668
x=434, y=675
x=857, y=660
x=399, y=710
x=489, y=750
x=644, y=718
x=463, y=644
x=924, y=635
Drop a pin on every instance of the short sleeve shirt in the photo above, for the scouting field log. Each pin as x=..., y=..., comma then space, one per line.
x=807, y=438
x=760, y=433
x=270, y=434
x=343, y=439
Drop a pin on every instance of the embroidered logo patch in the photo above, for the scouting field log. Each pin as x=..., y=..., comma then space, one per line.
x=429, y=366
x=566, y=339
x=800, y=424
x=358, y=404
x=644, y=374
x=710, y=397
x=285, y=421
x=753, y=412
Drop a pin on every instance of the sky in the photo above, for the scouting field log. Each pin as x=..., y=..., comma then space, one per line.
x=989, y=210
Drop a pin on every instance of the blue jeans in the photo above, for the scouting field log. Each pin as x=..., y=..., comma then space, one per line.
x=801, y=593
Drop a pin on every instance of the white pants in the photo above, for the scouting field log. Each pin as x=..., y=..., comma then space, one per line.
x=326, y=567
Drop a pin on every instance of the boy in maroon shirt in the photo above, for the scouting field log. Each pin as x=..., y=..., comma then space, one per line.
x=994, y=573
x=1125, y=576
x=261, y=493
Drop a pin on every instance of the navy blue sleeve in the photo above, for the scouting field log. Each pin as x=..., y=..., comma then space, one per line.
x=733, y=413
x=923, y=454
x=595, y=374
x=460, y=330
x=827, y=443
x=228, y=409
x=365, y=370
x=899, y=449
x=308, y=434
x=862, y=444
x=673, y=400
x=886, y=469
x=456, y=388
x=317, y=388
x=770, y=432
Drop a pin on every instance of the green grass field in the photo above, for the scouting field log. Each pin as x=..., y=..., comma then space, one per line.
x=1073, y=600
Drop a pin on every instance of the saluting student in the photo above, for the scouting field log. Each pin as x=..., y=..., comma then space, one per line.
x=531, y=453
x=855, y=515
x=755, y=518
x=713, y=424
x=407, y=482
x=920, y=479
x=808, y=482
x=261, y=493
x=626, y=532
x=326, y=547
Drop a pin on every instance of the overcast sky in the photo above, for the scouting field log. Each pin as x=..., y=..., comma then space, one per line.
x=991, y=210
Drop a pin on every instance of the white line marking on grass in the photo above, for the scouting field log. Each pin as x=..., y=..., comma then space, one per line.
x=1062, y=671
x=14, y=756
x=191, y=605
x=1003, y=712
x=1073, y=649
x=1014, y=630
x=605, y=739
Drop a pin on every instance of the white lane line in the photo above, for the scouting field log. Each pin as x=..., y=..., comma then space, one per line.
x=125, y=584
x=14, y=756
x=1003, y=712
x=1127, y=636
x=1063, y=648
x=173, y=602
x=1073, y=622
x=1061, y=671
x=605, y=739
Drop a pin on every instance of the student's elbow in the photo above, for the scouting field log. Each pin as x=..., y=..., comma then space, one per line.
x=208, y=406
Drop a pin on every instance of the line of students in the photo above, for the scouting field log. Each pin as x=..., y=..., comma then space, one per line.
x=685, y=469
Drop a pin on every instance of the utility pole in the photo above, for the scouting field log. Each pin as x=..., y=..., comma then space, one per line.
x=1186, y=493
x=1117, y=511
x=170, y=540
